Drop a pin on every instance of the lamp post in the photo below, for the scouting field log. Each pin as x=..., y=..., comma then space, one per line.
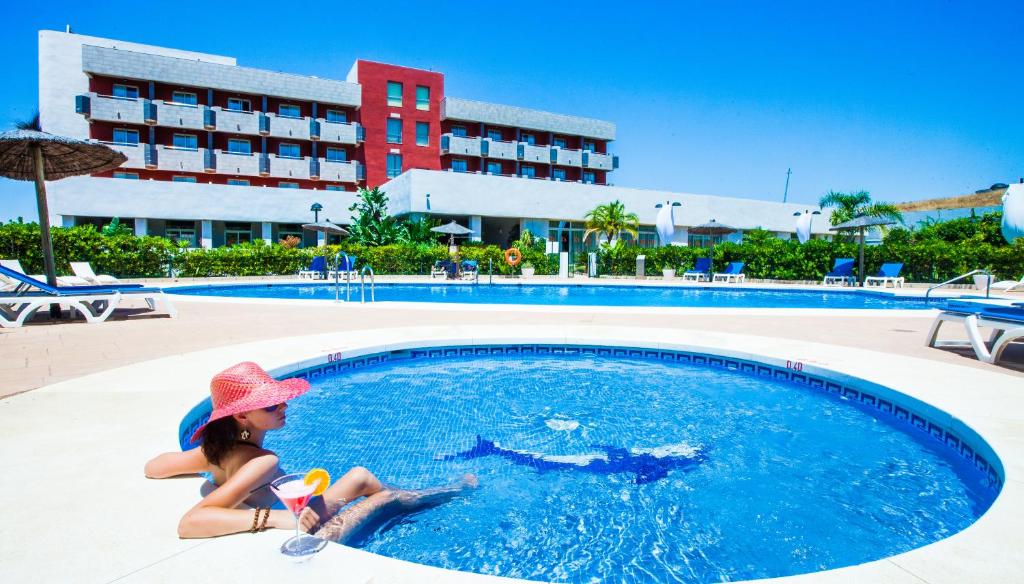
x=316, y=208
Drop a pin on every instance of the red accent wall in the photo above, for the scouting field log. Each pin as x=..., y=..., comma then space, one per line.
x=374, y=113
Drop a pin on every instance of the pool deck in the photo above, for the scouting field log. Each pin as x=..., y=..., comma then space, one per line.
x=110, y=396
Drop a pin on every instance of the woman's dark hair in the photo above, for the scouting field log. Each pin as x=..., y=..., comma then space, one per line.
x=219, y=437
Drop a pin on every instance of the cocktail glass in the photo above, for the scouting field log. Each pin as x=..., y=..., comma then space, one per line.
x=295, y=494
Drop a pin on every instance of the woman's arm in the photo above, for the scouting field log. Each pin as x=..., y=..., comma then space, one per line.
x=171, y=464
x=217, y=515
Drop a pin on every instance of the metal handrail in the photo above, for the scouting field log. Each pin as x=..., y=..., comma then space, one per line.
x=988, y=285
x=490, y=272
x=362, y=285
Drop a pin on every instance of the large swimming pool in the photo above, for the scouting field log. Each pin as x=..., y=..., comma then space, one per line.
x=575, y=295
x=622, y=465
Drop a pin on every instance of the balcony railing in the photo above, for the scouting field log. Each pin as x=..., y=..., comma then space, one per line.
x=209, y=161
x=566, y=157
x=209, y=118
x=597, y=161
x=284, y=127
x=237, y=122
x=460, y=145
x=82, y=104
x=134, y=152
x=237, y=163
x=339, y=133
x=314, y=129
x=295, y=168
x=151, y=157
x=149, y=112
x=181, y=115
x=500, y=149
x=182, y=160
x=339, y=171
x=264, y=123
x=530, y=153
x=106, y=108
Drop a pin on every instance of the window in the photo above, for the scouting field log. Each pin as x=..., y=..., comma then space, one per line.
x=181, y=231
x=126, y=137
x=422, y=98
x=528, y=138
x=494, y=134
x=237, y=233
x=459, y=165
x=422, y=133
x=186, y=142
x=237, y=104
x=703, y=240
x=289, y=111
x=493, y=168
x=558, y=174
x=188, y=179
x=126, y=91
x=589, y=146
x=459, y=131
x=238, y=146
x=394, y=131
x=287, y=185
x=129, y=175
x=288, y=151
x=184, y=98
x=238, y=182
x=337, y=117
x=527, y=171
x=588, y=177
x=394, y=94
x=286, y=230
x=337, y=155
x=394, y=165
x=559, y=142
x=335, y=188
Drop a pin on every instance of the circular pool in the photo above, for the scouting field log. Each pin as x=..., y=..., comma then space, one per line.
x=600, y=464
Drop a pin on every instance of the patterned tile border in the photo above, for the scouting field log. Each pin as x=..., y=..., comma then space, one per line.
x=858, y=397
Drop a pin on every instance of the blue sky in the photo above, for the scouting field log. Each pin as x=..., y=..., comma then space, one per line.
x=907, y=100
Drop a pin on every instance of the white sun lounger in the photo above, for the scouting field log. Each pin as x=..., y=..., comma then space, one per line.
x=1008, y=285
x=15, y=265
x=1006, y=322
x=84, y=271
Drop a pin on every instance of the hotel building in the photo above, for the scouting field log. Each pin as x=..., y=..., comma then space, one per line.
x=219, y=153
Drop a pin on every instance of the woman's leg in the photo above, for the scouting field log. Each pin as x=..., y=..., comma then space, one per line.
x=357, y=482
x=383, y=504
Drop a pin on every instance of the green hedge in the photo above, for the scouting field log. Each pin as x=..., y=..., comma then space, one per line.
x=767, y=257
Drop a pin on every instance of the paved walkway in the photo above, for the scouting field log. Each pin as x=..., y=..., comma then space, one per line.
x=45, y=353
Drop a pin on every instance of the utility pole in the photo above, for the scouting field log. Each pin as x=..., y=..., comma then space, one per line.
x=785, y=194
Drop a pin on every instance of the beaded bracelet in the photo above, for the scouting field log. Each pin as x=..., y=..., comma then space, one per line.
x=266, y=515
x=255, y=519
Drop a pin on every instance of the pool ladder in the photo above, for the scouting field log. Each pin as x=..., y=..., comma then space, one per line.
x=988, y=284
x=362, y=285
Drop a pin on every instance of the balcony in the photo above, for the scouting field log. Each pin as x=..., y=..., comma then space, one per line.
x=564, y=157
x=529, y=153
x=237, y=122
x=179, y=115
x=293, y=168
x=180, y=160
x=338, y=171
x=501, y=150
x=597, y=161
x=136, y=154
x=460, y=145
x=338, y=133
x=104, y=108
x=297, y=128
x=230, y=163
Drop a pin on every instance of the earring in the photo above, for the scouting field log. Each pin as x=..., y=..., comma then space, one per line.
x=245, y=434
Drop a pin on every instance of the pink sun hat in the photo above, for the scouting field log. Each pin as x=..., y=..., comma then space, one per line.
x=246, y=387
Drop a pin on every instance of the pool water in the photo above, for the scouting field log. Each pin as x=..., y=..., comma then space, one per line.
x=575, y=295
x=773, y=478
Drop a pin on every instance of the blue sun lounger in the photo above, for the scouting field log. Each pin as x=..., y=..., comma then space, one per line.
x=701, y=271
x=888, y=273
x=842, y=273
x=95, y=303
x=732, y=273
x=317, y=268
x=1006, y=322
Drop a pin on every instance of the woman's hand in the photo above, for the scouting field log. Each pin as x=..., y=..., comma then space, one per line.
x=281, y=519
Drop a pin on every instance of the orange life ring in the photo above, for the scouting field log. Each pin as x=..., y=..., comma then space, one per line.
x=513, y=256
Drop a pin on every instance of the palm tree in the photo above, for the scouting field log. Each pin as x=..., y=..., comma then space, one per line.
x=611, y=220
x=850, y=205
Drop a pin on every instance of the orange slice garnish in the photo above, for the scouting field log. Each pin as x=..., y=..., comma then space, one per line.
x=319, y=476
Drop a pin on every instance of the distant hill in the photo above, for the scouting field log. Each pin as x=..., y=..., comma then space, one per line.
x=989, y=198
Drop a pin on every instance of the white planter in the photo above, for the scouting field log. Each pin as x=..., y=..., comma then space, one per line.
x=668, y=274
x=528, y=272
x=982, y=281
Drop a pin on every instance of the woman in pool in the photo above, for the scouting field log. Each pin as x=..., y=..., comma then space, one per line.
x=248, y=403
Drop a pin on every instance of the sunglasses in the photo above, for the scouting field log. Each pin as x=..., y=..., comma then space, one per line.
x=273, y=408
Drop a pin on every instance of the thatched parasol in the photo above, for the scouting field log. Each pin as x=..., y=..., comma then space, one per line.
x=712, y=228
x=859, y=224
x=31, y=154
x=452, y=229
x=325, y=226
